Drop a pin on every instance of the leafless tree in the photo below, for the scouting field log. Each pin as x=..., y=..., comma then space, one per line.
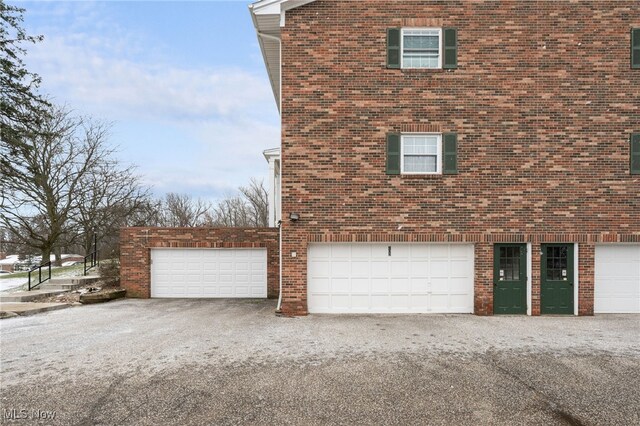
x=247, y=209
x=257, y=199
x=180, y=210
x=230, y=212
x=109, y=194
x=250, y=209
x=41, y=181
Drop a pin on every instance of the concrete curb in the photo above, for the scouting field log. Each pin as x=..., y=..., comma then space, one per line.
x=26, y=309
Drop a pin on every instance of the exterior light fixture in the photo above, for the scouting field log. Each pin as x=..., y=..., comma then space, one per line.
x=294, y=217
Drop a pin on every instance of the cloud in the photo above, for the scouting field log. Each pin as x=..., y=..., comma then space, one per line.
x=190, y=128
x=89, y=71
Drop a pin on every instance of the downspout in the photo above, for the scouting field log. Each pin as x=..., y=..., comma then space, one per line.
x=278, y=307
x=274, y=38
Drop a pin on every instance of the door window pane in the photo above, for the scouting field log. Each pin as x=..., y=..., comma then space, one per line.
x=510, y=263
x=556, y=263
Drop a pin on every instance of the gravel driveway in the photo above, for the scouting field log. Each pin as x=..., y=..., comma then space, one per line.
x=156, y=362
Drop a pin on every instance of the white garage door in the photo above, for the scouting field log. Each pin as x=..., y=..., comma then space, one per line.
x=389, y=278
x=209, y=273
x=617, y=282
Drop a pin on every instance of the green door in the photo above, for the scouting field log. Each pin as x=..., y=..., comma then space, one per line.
x=556, y=288
x=510, y=279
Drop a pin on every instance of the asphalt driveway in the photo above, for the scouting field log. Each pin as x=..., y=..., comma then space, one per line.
x=156, y=362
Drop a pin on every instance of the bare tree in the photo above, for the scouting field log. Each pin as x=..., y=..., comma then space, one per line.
x=41, y=182
x=230, y=212
x=180, y=210
x=257, y=199
x=109, y=194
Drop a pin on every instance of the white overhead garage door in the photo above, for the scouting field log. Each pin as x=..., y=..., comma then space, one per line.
x=209, y=273
x=617, y=281
x=390, y=278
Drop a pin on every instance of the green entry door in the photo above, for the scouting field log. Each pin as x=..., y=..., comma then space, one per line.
x=510, y=279
x=556, y=288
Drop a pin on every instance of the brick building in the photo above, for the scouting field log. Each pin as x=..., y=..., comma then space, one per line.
x=458, y=156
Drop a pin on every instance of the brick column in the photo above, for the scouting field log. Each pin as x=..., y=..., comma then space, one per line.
x=535, y=278
x=483, y=283
x=294, y=271
x=586, y=276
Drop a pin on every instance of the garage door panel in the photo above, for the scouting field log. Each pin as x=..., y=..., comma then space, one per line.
x=360, y=286
x=319, y=269
x=360, y=269
x=419, y=286
x=414, y=278
x=360, y=252
x=439, y=302
x=400, y=250
x=340, y=251
x=380, y=285
x=340, y=285
x=463, y=252
x=419, y=269
x=419, y=302
x=360, y=302
x=617, y=278
x=322, y=285
x=341, y=301
x=320, y=302
x=341, y=269
x=439, y=269
x=209, y=273
x=379, y=269
x=399, y=268
x=419, y=251
x=400, y=285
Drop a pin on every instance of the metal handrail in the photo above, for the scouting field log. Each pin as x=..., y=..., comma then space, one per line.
x=92, y=260
x=92, y=257
x=40, y=280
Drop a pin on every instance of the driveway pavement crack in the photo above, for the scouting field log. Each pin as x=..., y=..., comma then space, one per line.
x=556, y=408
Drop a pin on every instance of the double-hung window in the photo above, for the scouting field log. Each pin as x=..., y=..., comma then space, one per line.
x=421, y=48
x=421, y=153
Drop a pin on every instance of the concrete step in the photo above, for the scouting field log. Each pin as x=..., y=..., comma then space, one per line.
x=28, y=296
x=68, y=283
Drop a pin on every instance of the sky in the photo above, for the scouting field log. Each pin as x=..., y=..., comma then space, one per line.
x=183, y=84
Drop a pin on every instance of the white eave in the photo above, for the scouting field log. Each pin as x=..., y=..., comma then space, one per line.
x=272, y=153
x=268, y=17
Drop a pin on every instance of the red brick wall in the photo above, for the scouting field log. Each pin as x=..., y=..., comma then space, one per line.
x=136, y=245
x=543, y=102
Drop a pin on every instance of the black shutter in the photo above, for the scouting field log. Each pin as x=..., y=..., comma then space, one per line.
x=393, y=154
x=450, y=47
x=393, y=48
x=450, y=153
x=635, y=48
x=635, y=154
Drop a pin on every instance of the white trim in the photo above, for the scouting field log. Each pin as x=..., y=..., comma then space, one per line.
x=440, y=48
x=272, y=9
x=438, y=154
x=576, y=277
x=529, y=276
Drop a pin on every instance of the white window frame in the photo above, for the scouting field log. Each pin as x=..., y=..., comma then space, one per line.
x=440, y=47
x=438, y=154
